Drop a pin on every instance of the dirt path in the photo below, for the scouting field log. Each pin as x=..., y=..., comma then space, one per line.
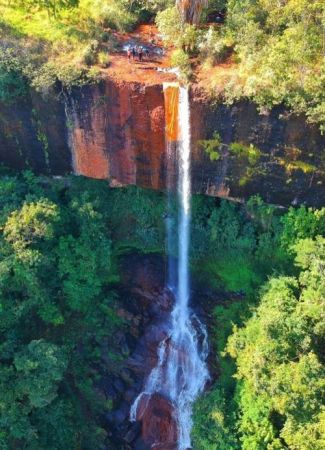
x=152, y=69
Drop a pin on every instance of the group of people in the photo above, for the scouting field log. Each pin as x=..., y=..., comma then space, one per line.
x=137, y=52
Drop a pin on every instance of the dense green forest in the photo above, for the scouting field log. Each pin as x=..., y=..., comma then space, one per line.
x=274, y=50
x=59, y=246
x=62, y=238
x=60, y=243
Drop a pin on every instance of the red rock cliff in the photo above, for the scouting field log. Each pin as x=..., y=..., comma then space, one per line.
x=118, y=132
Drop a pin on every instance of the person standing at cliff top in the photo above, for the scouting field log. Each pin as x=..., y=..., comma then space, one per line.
x=128, y=52
x=140, y=53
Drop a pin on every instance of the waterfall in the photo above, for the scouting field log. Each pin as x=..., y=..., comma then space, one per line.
x=181, y=372
x=71, y=117
x=184, y=189
x=171, y=94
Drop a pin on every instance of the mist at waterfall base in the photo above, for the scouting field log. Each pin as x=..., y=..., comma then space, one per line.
x=181, y=371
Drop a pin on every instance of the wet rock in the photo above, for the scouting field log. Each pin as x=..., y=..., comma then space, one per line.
x=124, y=314
x=125, y=351
x=140, y=445
x=106, y=385
x=143, y=284
x=159, y=425
x=130, y=395
x=156, y=427
x=166, y=446
x=126, y=376
x=143, y=274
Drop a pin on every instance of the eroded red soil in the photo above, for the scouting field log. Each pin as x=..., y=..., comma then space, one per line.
x=149, y=71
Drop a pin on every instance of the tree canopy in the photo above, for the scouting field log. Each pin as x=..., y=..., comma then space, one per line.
x=55, y=303
x=270, y=350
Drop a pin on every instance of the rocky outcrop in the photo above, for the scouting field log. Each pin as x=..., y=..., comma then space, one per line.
x=116, y=130
x=145, y=307
x=159, y=427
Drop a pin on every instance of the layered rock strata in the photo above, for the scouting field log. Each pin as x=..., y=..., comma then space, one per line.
x=116, y=131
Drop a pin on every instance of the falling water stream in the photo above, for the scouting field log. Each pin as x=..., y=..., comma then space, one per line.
x=181, y=372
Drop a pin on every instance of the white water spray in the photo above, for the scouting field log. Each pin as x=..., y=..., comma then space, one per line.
x=181, y=372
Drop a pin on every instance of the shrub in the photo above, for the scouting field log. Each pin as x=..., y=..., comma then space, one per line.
x=250, y=152
x=212, y=146
x=112, y=14
x=181, y=60
x=103, y=59
x=189, y=39
x=89, y=54
x=12, y=81
x=68, y=75
x=214, y=45
x=105, y=36
x=170, y=25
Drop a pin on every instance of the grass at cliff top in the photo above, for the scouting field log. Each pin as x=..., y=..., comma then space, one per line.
x=270, y=53
x=38, y=24
x=74, y=20
x=61, y=40
x=35, y=48
x=57, y=41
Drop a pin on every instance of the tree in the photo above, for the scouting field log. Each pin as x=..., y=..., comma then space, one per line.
x=13, y=83
x=52, y=6
x=278, y=357
x=56, y=310
x=191, y=9
x=40, y=367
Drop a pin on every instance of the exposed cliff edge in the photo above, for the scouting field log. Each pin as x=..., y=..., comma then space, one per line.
x=115, y=130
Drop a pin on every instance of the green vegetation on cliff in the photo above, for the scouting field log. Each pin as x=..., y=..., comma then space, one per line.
x=274, y=51
x=279, y=48
x=274, y=400
x=43, y=42
x=278, y=356
x=60, y=241
x=58, y=244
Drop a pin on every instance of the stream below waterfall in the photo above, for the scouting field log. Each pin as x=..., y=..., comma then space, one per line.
x=181, y=371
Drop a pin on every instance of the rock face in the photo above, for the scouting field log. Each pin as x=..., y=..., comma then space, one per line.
x=116, y=130
x=34, y=135
x=288, y=170
x=159, y=427
x=145, y=307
